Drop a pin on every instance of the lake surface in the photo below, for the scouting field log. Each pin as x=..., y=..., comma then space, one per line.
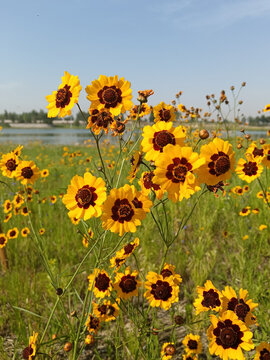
x=61, y=136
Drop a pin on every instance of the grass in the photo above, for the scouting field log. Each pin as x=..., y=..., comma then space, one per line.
x=211, y=246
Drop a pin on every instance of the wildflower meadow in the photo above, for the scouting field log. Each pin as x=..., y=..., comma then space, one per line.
x=150, y=240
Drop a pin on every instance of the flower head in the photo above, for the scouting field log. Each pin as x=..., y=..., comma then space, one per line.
x=192, y=344
x=101, y=282
x=29, y=352
x=27, y=172
x=248, y=170
x=209, y=298
x=8, y=164
x=126, y=284
x=106, y=311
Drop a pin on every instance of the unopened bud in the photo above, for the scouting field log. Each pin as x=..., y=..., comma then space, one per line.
x=247, y=136
x=203, y=134
x=179, y=320
x=239, y=146
x=232, y=88
x=73, y=313
x=59, y=291
x=67, y=347
x=240, y=102
x=89, y=340
x=262, y=141
x=155, y=331
x=53, y=336
x=170, y=349
x=244, y=83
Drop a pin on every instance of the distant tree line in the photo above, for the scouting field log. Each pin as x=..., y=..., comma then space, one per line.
x=259, y=120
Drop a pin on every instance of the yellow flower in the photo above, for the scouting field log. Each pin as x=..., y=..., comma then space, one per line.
x=254, y=154
x=27, y=172
x=169, y=270
x=124, y=209
x=121, y=255
x=266, y=159
x=13, y=233
x=110, y=93
x=25, y=211
x=127, y=284
x=29, y=352
x=8, y=164
x=101, y=282
x=245, y=211
x=245, y=237
x=41, y=231
x=44, y=173
x=7, y=217
x=7, y=206
x=174, y=172
x=25, y=232
x=209, y=298
x=62, y=101
x=192, y=344
x=3, y=240
x=266, y=108
x=167, y=351
x=18, y=150
x=262, y=351
x=160, y=292
x=145, y=110
x=228, y=336
x=242, y=307
x=136, y=161
x=92, y=324
x=219, y=162
x=248, y=170
x=84, y=197
x=158, y=136
x=147, y=184
x=18, y=200
x=99, y=120
x=262, y=227
x=164, y=112
x=106, y=311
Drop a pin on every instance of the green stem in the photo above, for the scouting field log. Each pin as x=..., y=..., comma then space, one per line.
x=49, y=320
x=264, y=192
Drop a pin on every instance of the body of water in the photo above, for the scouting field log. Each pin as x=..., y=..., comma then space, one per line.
x=63, y=136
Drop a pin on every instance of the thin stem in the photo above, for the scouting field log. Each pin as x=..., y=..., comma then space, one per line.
x=264, y=192
x=49, y=320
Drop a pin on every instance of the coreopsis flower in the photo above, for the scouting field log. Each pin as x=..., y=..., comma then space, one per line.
x=106, y=311
x=135, y=161
x=143, y=95
x=110, y=93
x=266, y=159
x=62, y=101
x=248, y=170
x=169, y=270
x=241, y=306
x=92, y=324
x=147, y=184
x=167, y=351
x=121, y=255
x=27, y=172
x=41, y=231
x=25, y=232
x=158, y=136
x=192, y=344
x=145, y=110
x=101, y=282
x=75, y=221
x=18, y=200
x=127, y=284
x=262, y=351
x=253, y=153
x=262, y=227
x=228, y=336
x=8, y=164
x=99, y=120
x=255, y=211
x=84, y=197
x=175, y=169
x=13, y=233
x=245, y=211
x=18, y=150
x=25, y=211
x=124, y=209
x=7, y=217
x=29, y=352
x=266, y=108
x=219, y=162
x=209, y=298
x=44, y=173
x=164, y=112
x=160, y=292
x=3, y=240
x=118, y=127
x=7, y=206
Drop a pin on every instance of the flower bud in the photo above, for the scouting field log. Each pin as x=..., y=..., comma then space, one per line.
x=203, y=134
x=262, y=141
x=179, y=320
x=67, y=346
x=170, y=349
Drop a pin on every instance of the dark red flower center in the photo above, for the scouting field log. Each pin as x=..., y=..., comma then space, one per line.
x=161, y=290
x=178, y=170
x=11, y=165
x=12, y=233
x=128, y=283
x=27, y=352
x=102, y=282
x=264, y=354
x=129, y=248
x=106, y=310
x=63, y=97
x=192, y=344
x=122, y=211
x=137, y=203
x=161, y=139
x=2, y=240
x=239, y=307
x=148, y=183
x=110, y=96
x=268, y=155
x=86, y=197
x=219, y=164
x=102, y=119
x=165, y=115
x=27, y=172
x=257, y=152
x=165, y=273
x=211, y=299
x=94, y=322
x=250, y=168
x=228, y=335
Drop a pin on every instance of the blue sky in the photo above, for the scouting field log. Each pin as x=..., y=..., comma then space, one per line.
x=197, y=46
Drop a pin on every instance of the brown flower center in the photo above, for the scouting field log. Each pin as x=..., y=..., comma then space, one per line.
x=161, y=290
x=106, y=310
x=165, y=115
x=27, y=352
x=220, y=164
x=122, y=211
x=211, y=299
x=166, y=273
x=27, y=172
x=128, y=283
x=257, y=152
x=86, y=196
x=94, y=323
x=228, y=335
x=110, y=96
x=178, y=170
x=129, y=248
x=192, y=344
x=250, y=168
x=63, y=97
x=161, y=139
x=148, y=183
x=12, y=233
x=264, y=354
x=137, y=203
x=2, y=240
x=102, y=282
x=11, y=165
